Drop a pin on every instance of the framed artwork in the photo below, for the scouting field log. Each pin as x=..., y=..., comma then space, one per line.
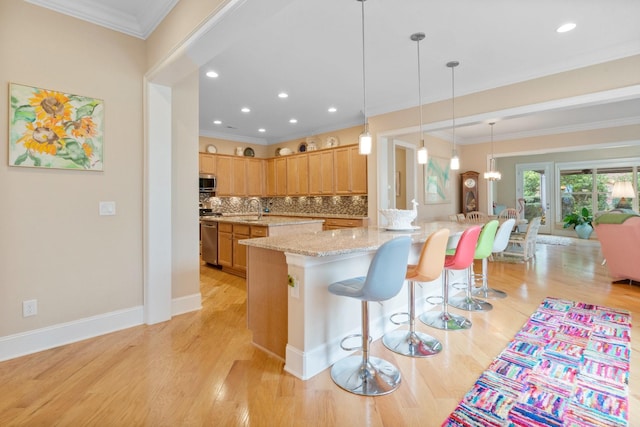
x=437, y=181
x=50, y=129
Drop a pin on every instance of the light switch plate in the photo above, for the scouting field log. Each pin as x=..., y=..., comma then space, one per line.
x=107, y=208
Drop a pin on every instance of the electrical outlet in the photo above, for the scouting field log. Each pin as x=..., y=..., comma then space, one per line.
x=29, y=308
x=107, y=208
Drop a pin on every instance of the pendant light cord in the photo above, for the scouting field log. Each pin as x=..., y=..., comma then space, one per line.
x=453, y=109
x=364, y=74
x=420, y=92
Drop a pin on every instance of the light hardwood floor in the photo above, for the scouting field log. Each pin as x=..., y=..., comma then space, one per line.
x=201, y=369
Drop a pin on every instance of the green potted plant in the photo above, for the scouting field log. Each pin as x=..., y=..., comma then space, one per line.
x=581, y=221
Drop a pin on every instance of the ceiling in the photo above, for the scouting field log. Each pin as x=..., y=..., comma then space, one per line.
x=313, y=51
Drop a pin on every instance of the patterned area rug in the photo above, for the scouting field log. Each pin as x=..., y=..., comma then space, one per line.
x=568, y=366
x=553, y=240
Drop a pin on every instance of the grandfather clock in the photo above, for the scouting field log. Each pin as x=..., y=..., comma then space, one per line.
x=469, y=193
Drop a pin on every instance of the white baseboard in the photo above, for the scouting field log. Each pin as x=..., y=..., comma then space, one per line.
x=29, y=342
x=12, y=346
x=186, y=304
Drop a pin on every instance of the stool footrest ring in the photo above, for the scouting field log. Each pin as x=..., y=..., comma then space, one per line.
x=348, y=337
x=397, y=322
x=433, y=298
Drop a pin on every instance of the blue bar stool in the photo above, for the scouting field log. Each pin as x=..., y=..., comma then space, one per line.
x=429, y=267
x=365, y=375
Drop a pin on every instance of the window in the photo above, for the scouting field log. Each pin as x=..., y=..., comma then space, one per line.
x=591, y=184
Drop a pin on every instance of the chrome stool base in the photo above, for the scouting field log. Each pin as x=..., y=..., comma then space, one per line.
x=414, y=344
x=445, y=320
x=469, y=304
x=375, y=378
x=489, y=293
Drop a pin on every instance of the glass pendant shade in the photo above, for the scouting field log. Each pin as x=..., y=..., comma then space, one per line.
x=364, y=143
x=455, y=162
x=423, y=155
x=492, y=174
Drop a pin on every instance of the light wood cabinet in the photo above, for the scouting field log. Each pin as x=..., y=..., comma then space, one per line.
x=321, y=172
x=298, y=175
x=232, y=256
x=225, y=244
x=240, y=231
x=336, y=223
x=207, y=163
x=224, y=173
x=276, y=174
x=350, y=171
x=255, y=177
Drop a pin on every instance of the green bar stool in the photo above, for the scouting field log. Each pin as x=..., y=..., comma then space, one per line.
x=499, y=244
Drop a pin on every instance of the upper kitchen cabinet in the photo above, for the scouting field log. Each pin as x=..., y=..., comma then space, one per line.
x=276, y=177
x=239, y=176
x=255, y=177
x=298, y=175
x=321, y=172
x=207, y=163
x=350, y=170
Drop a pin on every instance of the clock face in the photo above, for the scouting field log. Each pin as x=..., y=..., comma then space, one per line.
x=470, y=182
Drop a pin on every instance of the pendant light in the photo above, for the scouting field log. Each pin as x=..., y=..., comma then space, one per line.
x=492, y=174
x=422, y=151
x=364, y=141
x=455, y=160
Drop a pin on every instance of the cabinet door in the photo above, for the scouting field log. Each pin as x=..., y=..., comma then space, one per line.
x=342, y=169
x=207, y=163
x=239, y=254
x=224, y=174
x=281, y=177
x=239, y=177
x=321, y=172
x=225, y=249
x=297, y=175
x=271, y=177
x=255, y=177
x=358, y=171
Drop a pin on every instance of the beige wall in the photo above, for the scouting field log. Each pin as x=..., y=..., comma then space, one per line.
x=611, y=75
x=55, y=247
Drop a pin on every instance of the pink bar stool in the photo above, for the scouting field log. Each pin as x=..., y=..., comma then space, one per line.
x=460, y=260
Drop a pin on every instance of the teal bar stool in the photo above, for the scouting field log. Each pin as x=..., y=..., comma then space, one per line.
x=429, y=267
x=483, y=251
x=499, y=244
x=365, y=375
x=460, y=260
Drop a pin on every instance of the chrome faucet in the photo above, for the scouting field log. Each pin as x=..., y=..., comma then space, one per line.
x=255, y=199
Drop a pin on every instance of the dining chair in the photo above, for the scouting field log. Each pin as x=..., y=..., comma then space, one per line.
x=476, y=217
x=508, y=213
x=524, y=244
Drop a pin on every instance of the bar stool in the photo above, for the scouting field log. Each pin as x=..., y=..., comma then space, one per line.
x=429, y=267
x=460, y=260
x=365, y=375
x=483, y=251
x=499, y=244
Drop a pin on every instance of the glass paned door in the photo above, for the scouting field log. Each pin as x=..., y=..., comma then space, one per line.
x=533, y=193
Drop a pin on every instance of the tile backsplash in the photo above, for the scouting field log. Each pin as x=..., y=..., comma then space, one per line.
x=322, y=205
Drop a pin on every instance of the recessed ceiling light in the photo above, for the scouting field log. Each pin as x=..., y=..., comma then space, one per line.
x=262, y=130
x=566, y=27
x=245, y=109
x=283, y=95
x=332, y=109
x=217, y=122
x=212, y=74
x=293, y=121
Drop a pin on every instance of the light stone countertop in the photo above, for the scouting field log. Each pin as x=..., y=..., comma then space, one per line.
x=268, y=221
x=347, y=240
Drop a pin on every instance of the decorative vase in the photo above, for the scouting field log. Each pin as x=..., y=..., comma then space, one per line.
x=584, y=230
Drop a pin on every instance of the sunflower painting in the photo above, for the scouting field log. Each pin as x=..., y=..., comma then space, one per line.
x=52, y=129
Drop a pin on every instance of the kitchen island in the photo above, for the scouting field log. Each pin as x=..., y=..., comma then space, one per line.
x=290, y=311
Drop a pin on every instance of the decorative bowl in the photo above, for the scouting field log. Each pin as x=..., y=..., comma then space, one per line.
x=399, y=219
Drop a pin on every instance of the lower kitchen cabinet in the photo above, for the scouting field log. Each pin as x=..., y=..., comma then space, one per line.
x=336, y=223
x=232, y=256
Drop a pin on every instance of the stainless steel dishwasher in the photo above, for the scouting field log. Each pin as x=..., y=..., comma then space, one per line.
x=209, y=230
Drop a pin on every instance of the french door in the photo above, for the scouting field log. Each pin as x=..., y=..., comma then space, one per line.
x=534, y=194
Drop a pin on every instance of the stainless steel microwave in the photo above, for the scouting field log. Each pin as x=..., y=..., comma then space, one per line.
x=208, y=183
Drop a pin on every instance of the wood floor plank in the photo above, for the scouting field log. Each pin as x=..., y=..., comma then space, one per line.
x=201, y=369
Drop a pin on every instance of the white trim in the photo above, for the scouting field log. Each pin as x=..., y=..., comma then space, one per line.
x=186, y=304
x=24, y=343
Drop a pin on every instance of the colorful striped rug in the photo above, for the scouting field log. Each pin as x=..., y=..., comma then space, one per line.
x=568, y=366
